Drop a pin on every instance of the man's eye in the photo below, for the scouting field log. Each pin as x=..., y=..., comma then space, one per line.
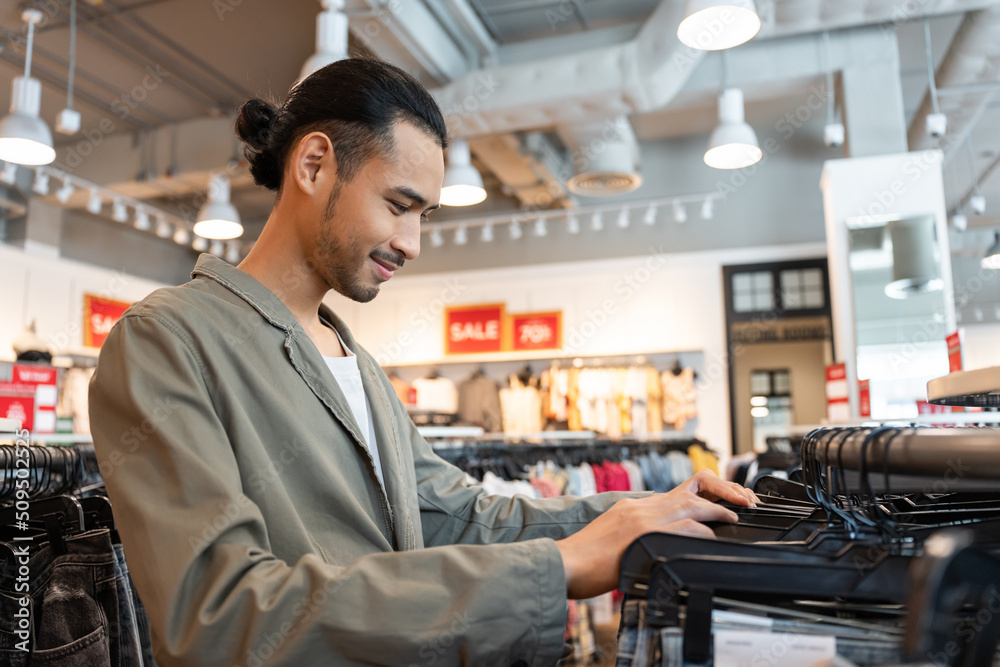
x=400, y=207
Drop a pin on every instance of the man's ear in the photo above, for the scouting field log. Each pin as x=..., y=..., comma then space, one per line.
x=313, y=162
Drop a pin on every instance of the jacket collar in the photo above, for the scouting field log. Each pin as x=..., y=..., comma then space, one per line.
x=246, y=287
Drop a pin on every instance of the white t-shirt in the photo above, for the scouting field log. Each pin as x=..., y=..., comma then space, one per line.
x=348, y=376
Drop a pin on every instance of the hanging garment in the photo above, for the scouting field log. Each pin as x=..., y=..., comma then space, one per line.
x=436, y=395
x=679, y=397
x=479, y=403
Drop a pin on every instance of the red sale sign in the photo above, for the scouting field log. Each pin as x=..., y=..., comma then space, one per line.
x=954, y=352
x=99, y=316
x=471, y=329
x=537, y=331
x=29, y=393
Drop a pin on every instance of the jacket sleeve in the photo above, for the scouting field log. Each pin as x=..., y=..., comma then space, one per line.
x=453, y=511
x=215, y=594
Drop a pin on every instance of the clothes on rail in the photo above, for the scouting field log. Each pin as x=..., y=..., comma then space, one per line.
x=479, y=403
x=835, y=569
x=436, y=394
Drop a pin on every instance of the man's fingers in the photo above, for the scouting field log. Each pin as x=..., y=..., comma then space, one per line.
x=710, y=486
x=690, y=528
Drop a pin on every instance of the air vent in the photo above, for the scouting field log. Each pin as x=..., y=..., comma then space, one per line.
x=603, y=183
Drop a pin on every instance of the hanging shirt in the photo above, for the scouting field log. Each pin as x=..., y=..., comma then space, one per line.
x=348, y=376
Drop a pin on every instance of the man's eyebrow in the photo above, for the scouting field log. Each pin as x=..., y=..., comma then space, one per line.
x=413, y=195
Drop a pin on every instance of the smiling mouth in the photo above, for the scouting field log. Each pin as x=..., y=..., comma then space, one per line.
x=384, y=268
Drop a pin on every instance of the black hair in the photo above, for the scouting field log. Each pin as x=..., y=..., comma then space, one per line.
x=355, y=102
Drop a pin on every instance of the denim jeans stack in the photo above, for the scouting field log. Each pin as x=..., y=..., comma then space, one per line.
x=81, y=608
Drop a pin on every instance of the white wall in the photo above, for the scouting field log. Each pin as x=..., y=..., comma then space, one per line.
x=981, y=346
x=674, y=303
x=50, y=291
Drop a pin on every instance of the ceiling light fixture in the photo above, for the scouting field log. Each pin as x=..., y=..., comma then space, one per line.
x=597, y=221
x=331, y=37
x=992, y=258
x=463, y=185
x=119, y=212
x=572, y=224
x=515, y=230
x=65, y=192
x=707, y=209
x=713, y=25
x=650, y=216
x=541, y=228
x=9, y=173
x=623, y=219
x=733, y=144
x=163, y=228
x=437, y=239
x=680, y=213
x=24, y=137
x=200, y=243
x=487, y=233
x=141, y=221
x=94, y=202
x=41, y=184
x=960, y=222
x=182, y=236
x=218, y=218
x=977, y=202
x=68, y=120
x=233, y=253
x=461, y=236
x=218, y=248
x=915, y=268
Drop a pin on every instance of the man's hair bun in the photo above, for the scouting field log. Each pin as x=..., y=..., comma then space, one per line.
x=254, y=126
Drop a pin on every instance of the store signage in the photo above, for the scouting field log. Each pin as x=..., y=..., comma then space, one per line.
x=29, y=394
x=471, y=329
x=865, y=398
x=837, y=407
x=537, y=331
x=777, y=331
x=954, y=352
x=99, y=316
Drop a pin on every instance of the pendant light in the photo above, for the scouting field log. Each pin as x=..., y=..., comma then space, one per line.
x=331, y=37
x=463, y=186
x=915, y=267
x=713, y=25
x=733, y=144
x=218, y=218
x=24, y=137
x=992, y=259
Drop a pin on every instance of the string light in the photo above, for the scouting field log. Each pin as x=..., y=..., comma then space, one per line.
x=623, y=219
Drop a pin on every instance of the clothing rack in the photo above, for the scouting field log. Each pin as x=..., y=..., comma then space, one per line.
x=936, y=452
x=51, y=471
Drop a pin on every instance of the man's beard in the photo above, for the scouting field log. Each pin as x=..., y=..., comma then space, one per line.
x=335, y=259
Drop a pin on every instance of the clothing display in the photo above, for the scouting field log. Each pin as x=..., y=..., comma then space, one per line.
x=679, y=397
x=274, y=499
x=848, y=566
x=73, y=387
x=522, y=406
x=479, y=403
x=436, y=394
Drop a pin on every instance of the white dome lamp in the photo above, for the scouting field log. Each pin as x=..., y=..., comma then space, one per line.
x=463, y=186
x=24, y=137
x=331, y=37
x=218, y=218
x=733, y=144
x=714, y=25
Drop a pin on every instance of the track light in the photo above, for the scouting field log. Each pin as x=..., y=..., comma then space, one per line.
x=141, y=221
x=733, y=144
x=992, y=258
x=9, y=173
x=572, y=224
x=94, y=202
x=978, y=204
x=680, y=213
x=233, y=253
x=41, y=184
x=649, y=218
x=331, y=37
x=707, y=209
x=713, y=25
x=541, y=228
x=200, y=243
x=437, y=240
x=960, y=222
x=487, y=233
x=597, y=221
x=461, y=236
x=119, y=212
x=463, y=185
x=65, y=192
x=515, y=230
x=182, y=236
x=623, y=219
x=163, y=228
x=218, y=218
x=24, y=137
x=218, y=248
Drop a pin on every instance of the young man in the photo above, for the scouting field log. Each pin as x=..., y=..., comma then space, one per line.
x=276, y=504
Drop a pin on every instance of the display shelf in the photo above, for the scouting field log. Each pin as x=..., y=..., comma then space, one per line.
x=52, y=439
x=978, y=388
x=539, y=355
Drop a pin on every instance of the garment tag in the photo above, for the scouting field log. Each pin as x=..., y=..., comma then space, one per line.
x=738, y=648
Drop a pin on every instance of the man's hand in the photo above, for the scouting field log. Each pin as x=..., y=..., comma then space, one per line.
x=591, y=557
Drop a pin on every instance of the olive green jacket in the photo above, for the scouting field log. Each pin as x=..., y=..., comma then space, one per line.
x=255, y=527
